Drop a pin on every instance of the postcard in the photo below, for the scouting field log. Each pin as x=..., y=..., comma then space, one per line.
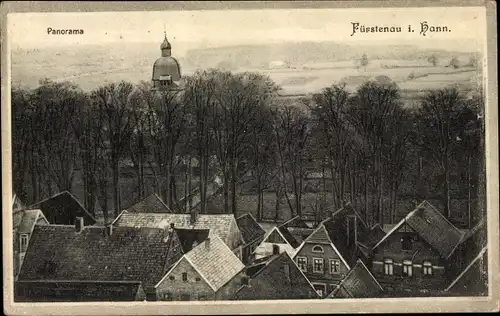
x=249, y=157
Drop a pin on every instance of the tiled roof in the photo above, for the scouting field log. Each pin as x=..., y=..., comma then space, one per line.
x=337, y=232
x=190, y=237
x=271, y=281
x=250, y=229
x=219, y=224
x=296, y=222
x=288, y=236
x=151, y=204
x=29, y=219
x=358, y=283
x=63, y=208
x=433, y=227
x=58, y=252
x=216, y=263
x=71, y=291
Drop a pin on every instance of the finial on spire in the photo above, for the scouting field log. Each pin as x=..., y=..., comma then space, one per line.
x=165, y=30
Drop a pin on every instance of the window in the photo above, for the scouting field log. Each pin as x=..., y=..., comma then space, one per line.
x=171, y=277
x=406, y=243
x=317, y=249
x=334, y=266
x=388, y=267
x=427, y=268
x=184, y=276
x=317, y=265
x=167, y=296
x=407, y=268
x=198, y=279
x=302, y=263
x=23, y=242
x=320, y=288
x=185, y=297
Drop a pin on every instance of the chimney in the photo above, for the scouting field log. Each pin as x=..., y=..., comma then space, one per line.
x=79, y=224
x=352, y=230
x=276, y=250
x=207, y=243
x=108, y=230
x=192, y=219
x=172, y=226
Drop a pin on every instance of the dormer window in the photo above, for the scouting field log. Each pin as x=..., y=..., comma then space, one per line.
x=317, y=249
x=406, y=242
x=23, y=242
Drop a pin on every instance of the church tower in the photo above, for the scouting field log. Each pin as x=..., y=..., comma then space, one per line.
x=166, y=69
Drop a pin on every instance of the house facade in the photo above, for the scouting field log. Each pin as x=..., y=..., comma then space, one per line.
x=413, y=259
x=321, y=261
x=210, y=271
x=279, y=237
x=24, y=222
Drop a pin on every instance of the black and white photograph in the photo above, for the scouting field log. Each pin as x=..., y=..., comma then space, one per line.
x=233, y=155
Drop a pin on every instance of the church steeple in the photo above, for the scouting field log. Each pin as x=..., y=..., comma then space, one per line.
x=165, y=47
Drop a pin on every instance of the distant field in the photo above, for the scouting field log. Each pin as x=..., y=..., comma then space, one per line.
x=100, y=66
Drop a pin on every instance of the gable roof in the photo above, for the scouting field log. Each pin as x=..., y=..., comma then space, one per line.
x=358, y=283
x=51, y=207
x=272, y=282
x=29, y=219
x=433, y=227
x=150, y=204
x=215, y=263
x=188, y=237
x=58, y=252
x=218, y=224
x=326, y=231
x=250, y=229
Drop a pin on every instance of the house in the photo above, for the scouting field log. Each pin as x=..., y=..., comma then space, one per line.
x=327, y=255
x=24, y=222
x=299, y=229
x=276, y=277
x=151, y=204
x=222, y=225
x=102, y=254
x=414, y=257
x=252, y=234
x=210, y=271
x=358, y=283
x=278, y=236
x=63, y=209
x=78, y=291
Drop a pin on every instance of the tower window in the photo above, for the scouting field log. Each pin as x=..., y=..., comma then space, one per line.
x=317, y=249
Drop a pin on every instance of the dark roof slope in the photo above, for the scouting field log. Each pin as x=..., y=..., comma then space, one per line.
x=250, y=229
x=151, y=204
x=337, y=232
x=288, y=236
x=473, y=280
x=358, y=283
x=63, y=209
x=129, y=254
x=296, y=222
x=77, y=291
x=272, y=282
x=190, y=238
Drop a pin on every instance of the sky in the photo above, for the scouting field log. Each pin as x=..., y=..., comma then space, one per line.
x=212, y=28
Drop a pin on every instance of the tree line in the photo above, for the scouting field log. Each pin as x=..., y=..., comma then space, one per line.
x=365, y=145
